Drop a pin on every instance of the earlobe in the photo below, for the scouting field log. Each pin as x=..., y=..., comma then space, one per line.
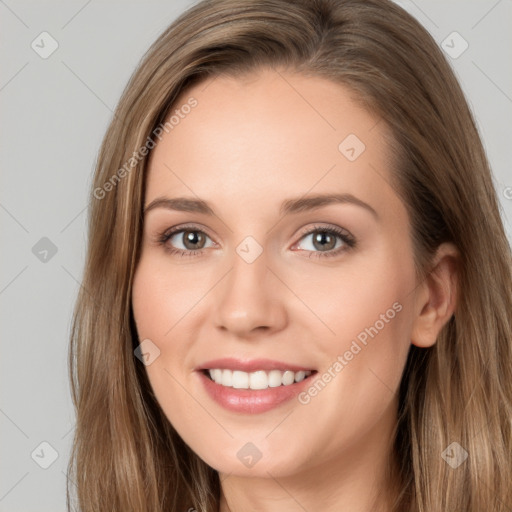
x=436, y=299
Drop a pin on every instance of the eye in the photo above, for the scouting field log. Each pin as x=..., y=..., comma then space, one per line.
x=185, y=240
x=326, y=241
x=323, y=241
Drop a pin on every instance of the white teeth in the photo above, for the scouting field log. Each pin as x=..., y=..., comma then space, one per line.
x=256, y=380
x=299, y=376
x=226, y=378
x=240, y=380
x=288, y=378
x=275, y=378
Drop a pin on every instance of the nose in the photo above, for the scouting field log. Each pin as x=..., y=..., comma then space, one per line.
x=250, y=299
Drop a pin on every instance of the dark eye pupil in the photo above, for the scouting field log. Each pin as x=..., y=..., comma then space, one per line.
x=193, y=238
x=324, y=240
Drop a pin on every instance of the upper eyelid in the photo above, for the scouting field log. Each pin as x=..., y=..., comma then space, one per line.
x=178, y=229
x=328, y=227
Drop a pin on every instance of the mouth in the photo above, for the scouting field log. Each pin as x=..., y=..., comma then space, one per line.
x=252, y=386
x=257, y=380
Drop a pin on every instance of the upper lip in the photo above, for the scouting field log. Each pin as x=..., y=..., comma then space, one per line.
x=251, y=365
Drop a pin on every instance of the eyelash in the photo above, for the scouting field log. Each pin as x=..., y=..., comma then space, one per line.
x=348, y=240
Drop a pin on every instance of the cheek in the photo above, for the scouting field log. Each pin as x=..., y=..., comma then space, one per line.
x=161, y=297
x=369, y=313
x=159, y=303
x=366, y=300
x=363, y=362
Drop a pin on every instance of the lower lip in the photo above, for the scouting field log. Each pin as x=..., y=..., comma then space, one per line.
x=251, y=401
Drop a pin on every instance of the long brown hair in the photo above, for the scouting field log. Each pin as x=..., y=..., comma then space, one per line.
x=126, y=455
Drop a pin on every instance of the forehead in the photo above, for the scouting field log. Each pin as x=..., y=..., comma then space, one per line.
x=269, y=132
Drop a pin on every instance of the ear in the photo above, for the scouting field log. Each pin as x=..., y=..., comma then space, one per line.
x=436, y=297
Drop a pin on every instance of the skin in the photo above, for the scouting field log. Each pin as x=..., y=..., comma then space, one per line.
x=249, y=144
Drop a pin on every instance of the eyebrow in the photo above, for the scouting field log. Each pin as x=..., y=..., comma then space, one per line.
x=289, y=206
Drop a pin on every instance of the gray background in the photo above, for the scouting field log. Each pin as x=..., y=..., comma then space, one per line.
x=54, y=114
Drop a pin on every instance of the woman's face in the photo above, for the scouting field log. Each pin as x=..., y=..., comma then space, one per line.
x=290, y=260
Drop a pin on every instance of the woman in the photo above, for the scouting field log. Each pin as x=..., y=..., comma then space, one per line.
x=222, y=359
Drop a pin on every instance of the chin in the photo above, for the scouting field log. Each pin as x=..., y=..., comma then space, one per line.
x=248, y=462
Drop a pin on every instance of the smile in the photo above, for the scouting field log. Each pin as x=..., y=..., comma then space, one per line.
x=252, y=386
x=260, y=379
